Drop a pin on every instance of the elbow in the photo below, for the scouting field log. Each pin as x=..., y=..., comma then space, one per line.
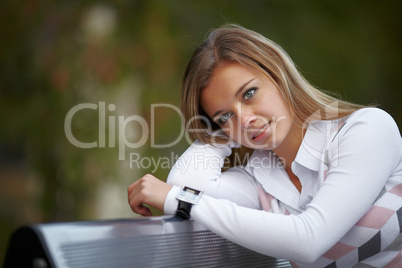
x=308, y=258
x=306, y=251
x=307, y=254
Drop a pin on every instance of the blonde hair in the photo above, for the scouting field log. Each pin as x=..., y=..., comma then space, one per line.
x=233, y=43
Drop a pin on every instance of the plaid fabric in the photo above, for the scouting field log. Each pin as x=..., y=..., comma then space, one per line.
x=374, y=241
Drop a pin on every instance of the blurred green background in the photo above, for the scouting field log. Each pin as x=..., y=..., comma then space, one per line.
x=130, y=54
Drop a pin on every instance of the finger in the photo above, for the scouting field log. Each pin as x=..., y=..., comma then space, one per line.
x=136, y=202
x=144, y=211
x=141, y=209
x=135, y=190
x=132, y=186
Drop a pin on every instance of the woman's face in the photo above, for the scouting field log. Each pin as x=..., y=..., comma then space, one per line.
x=248, y=108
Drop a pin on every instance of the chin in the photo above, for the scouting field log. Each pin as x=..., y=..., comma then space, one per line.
x=256, y=146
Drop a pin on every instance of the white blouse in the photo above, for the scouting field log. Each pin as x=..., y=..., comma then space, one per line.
x=348, y=212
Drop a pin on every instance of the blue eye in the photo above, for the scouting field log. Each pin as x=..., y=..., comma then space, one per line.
x=249, y=93
x=224, y=118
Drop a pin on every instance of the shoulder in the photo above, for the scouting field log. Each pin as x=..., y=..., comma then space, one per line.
x=373, y=119
x=371, y=124
x=369, y=133
x=370, y=112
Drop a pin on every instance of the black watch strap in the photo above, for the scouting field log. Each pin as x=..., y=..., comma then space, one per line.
x=187, y=197
x=183, y=209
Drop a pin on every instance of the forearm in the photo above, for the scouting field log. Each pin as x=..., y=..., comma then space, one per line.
x=266, y=233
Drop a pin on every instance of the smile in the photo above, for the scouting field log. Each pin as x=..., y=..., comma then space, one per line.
x=262, y=133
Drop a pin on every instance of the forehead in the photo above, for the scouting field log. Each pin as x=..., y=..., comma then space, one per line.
x=226, y=79
x=229, y=75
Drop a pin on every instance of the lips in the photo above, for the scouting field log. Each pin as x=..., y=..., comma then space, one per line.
x=262, y=133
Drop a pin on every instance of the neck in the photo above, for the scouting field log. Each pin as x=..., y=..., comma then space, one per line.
x=287, y=150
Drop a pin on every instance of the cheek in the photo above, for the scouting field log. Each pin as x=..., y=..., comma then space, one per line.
x=232, y=131
x=238, y=135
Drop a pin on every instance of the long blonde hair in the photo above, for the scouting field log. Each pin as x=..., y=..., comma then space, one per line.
x=233, y=43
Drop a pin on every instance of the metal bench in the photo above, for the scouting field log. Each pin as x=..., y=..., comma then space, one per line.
x=165, y=241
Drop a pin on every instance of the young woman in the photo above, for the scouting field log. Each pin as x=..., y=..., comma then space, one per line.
x=323, y=186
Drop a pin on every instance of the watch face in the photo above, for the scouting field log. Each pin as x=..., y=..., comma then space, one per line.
x=189, y=195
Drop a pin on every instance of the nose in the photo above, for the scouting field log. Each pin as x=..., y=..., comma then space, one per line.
x=246, y=117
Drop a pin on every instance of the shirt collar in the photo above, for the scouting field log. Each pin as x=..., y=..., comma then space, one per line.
x=269, y=172
x=311, y=153
x=267, y=169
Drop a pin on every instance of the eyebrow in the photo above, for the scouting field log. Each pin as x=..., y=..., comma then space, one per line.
x=236, y=95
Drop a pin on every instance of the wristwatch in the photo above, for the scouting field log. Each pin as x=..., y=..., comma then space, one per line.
x=187, y=198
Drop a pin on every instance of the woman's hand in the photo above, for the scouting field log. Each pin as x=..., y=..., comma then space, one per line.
x=148, y=190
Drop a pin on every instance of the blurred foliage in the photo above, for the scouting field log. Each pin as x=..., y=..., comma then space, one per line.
x=55, y=55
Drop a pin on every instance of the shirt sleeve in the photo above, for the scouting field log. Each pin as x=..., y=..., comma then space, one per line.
x=368, y=149
x=200, y=167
